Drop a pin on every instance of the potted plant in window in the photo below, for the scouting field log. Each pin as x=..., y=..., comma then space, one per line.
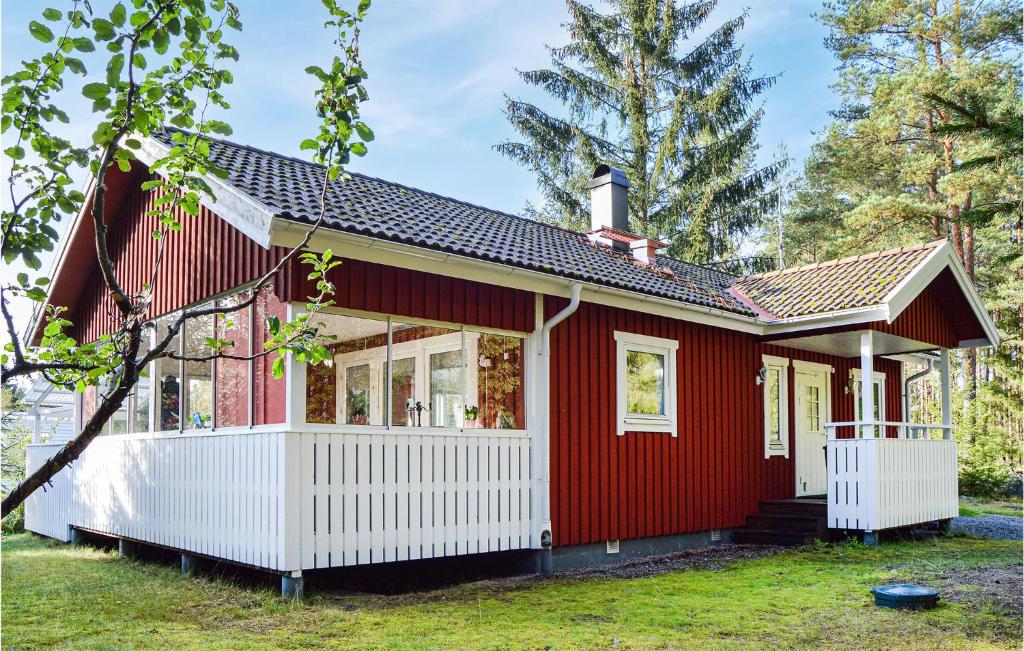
x=472, y=411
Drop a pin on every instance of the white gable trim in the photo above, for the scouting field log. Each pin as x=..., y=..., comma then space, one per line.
x=244, y=212
x=944, y=257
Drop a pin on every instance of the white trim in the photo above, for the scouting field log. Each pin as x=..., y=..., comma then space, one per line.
x=668, y=349
x=780, y=448
x=246, y=213
x=911, y=287
x=801, y=365
x=815, y=371
x=406, y=256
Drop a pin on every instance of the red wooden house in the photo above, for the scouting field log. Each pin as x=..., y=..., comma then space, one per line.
x=501, y=384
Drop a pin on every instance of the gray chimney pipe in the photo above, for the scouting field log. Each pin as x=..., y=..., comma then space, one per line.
x=608, y=199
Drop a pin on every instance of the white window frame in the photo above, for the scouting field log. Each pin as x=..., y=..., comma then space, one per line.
x=668, y=348
x=780, y=448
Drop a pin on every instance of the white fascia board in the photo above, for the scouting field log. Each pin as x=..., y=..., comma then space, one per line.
x=827, y=320
x=901, y=296
x=57, y=264
x=369, y=249
x=246, y=213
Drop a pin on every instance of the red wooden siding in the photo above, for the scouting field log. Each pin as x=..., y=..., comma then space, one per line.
x=206, y=257
x=608, y=487
x=401, y=292
x=940, y=315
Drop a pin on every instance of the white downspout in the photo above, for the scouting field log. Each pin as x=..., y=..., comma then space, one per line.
x=947, y=406
x=543, y=410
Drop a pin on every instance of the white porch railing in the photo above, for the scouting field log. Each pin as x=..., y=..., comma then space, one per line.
x=882, y=483
x=296, y=500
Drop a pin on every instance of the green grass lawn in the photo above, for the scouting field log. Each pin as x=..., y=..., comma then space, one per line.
x=55, y=595
x=975, y=506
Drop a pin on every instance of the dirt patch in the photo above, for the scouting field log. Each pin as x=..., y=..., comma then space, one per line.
x=999, y=585
x=707, y=558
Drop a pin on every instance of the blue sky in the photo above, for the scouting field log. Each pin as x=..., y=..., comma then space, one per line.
x=438, y=71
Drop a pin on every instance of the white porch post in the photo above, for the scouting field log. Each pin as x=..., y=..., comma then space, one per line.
x=295, y=380
x=947, y=406
x=37, y=426
x=867, y=382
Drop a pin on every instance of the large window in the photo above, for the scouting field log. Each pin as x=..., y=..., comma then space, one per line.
x=412, y=374
x=645, y=383
x=775, y=383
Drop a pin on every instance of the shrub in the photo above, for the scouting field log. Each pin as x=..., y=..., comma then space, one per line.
x=984, y=481
x=15, y=522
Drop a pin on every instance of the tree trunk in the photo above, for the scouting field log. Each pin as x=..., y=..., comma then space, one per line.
x=71, y=451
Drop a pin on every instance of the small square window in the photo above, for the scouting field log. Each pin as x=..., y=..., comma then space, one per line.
x=645, y=383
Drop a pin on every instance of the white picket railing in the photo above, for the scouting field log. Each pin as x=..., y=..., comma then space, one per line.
x=48, y=510
x=297, y=500
x=882, y=483
x=372, y=498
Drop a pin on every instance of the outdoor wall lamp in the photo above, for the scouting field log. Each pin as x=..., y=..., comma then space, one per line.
x=762, y=375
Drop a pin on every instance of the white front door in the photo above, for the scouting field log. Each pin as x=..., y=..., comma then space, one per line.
x=811, y=403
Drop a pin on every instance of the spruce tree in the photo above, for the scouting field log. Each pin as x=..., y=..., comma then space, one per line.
x=681, y=125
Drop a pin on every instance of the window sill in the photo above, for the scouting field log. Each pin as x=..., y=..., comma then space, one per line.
x=647, y=425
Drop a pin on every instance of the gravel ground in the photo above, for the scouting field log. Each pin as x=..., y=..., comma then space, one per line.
x=1000, y=586
x=1004, y=527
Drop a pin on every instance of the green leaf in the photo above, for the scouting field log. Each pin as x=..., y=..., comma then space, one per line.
x=309, y=143
x=364, y=132
x=114, y=67
x=118, y=14
x=160, y=41
x=95, y=90
x=51, y=14
x=358, y=148
x=104, y=29
x=82, y=44
x=15, y=152
x=75, y=65
x=40, y=31
x=278, y=368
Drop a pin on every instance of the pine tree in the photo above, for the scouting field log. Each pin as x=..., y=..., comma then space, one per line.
x=927, y=145
x=682, y=126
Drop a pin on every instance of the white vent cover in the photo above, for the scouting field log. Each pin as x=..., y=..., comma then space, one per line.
x=613, y=546
x=716, y=535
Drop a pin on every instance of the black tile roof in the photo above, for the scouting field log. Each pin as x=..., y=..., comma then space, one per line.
x=388, y=211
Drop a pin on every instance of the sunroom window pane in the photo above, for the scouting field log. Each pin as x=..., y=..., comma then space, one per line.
x=168, y=376
x=356, y=374
x=403, y=391
x=357, y=394
x=645, y=383
x=499, y=382
x=143, y=390
x=232, y=403
x=199, y=374
x=446, y=403
x=429, y=388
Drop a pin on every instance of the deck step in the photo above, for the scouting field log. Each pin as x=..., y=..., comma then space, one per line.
x=786, y=522
x=766, y=537
x=815, y=508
